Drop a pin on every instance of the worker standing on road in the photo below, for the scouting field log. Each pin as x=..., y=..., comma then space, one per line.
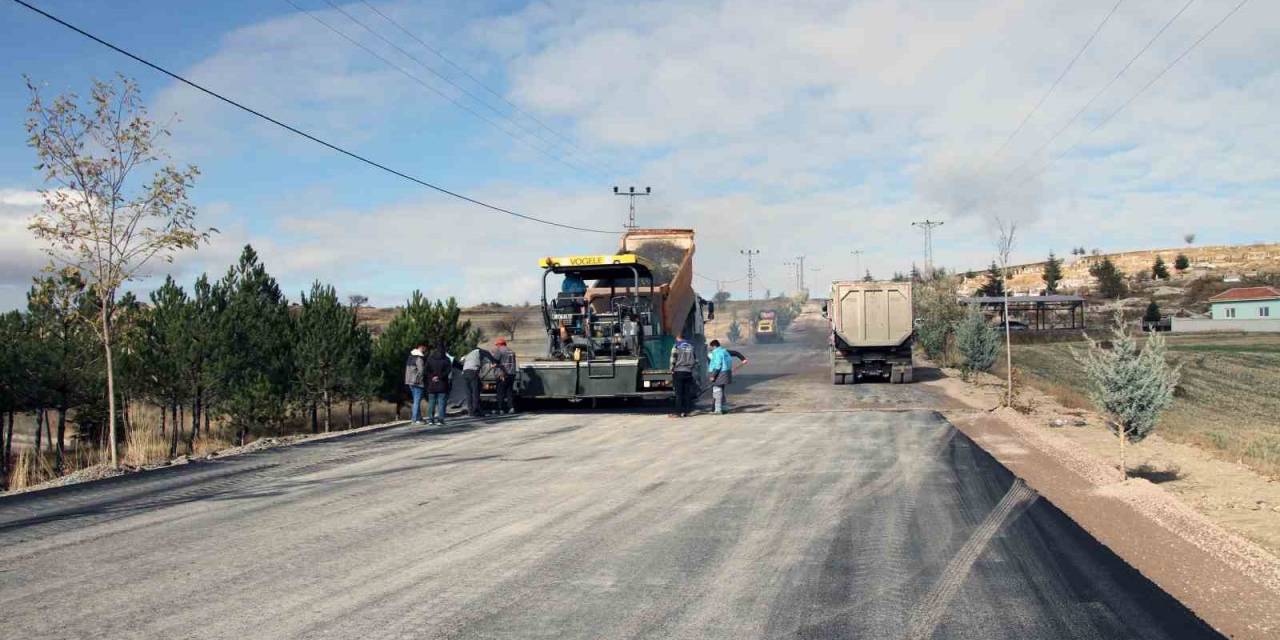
x=721, y=371
x=683, y=361
x=414, y=371
x=506, y=375
x=472, y=363
x=438, y=368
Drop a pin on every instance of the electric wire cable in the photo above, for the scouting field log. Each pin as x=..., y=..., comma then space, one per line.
x=549, y=150
x=300, y=132
x=435, y=90
x=460, y=69
x=1102, y=123
x=1063, y=129
x=1058, y=81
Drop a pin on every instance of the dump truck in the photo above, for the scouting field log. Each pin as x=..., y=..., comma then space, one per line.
x=872, y=331
x=612, y=324
x=766, y=327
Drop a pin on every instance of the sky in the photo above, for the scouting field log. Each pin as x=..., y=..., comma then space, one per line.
x=811, y=129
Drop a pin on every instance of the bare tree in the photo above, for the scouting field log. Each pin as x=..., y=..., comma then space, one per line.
x=511, y=321
x=95, y=219
x=1005, y=232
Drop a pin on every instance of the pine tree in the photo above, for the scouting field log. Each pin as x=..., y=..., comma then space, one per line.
x=1159, y=270
x=915, y=273
x=1152, y=314
x=1182, y=263
x=167, y=334
x=1131, y=386
x=325, y=350
x=15, y=354
x=253, y=355
x=994, y=286
x=1110, y=279
x=60, y=308
x=977, y=341
x=207, y=303
x=1052, y=274
x=867, y=277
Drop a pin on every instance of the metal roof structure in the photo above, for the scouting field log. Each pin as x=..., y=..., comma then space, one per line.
x=1039, y=312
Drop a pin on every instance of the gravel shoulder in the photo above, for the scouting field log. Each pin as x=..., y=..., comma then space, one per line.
x=1219, y=567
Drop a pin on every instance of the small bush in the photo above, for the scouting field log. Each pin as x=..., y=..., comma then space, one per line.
x=1131, y=386
x=977, y=341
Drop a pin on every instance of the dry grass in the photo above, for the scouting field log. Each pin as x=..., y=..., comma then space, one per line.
x=1226, y=401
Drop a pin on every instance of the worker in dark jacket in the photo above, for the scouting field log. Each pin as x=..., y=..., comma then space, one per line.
x=438, y=368
x=414, y=369
x=683, y=361
x=506, y=371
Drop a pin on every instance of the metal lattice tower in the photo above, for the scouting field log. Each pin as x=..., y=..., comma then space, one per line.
x=928, y=226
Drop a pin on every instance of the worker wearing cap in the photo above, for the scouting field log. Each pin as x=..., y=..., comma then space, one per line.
x=506, y=375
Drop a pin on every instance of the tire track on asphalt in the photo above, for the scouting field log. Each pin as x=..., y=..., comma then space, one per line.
x=929, y=611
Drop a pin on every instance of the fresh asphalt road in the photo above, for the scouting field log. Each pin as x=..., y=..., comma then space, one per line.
x=813, y=511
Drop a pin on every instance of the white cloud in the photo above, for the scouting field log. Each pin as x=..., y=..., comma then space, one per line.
x=795, y=128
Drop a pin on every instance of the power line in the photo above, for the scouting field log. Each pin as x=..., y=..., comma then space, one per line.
x=1139, y=92
x=1062, y=75
x=427, y=86
x=440, y=54
x=1103, y=90
x=447, y=80
x=718, y=280
x=299, y=132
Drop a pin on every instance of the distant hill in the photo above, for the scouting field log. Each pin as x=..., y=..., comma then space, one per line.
x=1247, y=261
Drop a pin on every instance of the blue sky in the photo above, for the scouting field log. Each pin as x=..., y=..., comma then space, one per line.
x=797, y=130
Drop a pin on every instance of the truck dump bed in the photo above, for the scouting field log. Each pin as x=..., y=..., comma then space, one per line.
x=871, y=314
x=671, y=253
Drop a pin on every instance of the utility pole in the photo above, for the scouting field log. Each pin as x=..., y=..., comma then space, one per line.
x=795, y=273
x=799, y=274
x=631, y=193
x=928, y=225
x=751, y=271
x=857, y=262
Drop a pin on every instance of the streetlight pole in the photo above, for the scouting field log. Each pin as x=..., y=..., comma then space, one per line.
x=751, y=272
x=632, y=193
x=857, y=262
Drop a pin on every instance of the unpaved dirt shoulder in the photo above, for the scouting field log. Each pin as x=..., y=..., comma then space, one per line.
x=1230, y=582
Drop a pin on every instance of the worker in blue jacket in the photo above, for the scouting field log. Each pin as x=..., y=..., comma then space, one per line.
x=720, y=368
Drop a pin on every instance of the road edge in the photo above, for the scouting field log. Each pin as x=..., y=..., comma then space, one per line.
x=1226, y=580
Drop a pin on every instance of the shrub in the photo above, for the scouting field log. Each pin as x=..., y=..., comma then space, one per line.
x=1159, y=270
x=1110, y=279
x=1129, y=385
x=978, y=342
x=939, y=312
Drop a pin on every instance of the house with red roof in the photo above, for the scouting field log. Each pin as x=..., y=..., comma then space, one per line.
x=1246, y=303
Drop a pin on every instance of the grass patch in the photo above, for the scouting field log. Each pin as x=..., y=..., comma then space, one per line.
x=1225, y=403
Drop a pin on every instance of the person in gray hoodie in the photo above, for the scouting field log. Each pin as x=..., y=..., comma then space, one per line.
x=472, y=363
x=415, y=368
x=506, y=375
